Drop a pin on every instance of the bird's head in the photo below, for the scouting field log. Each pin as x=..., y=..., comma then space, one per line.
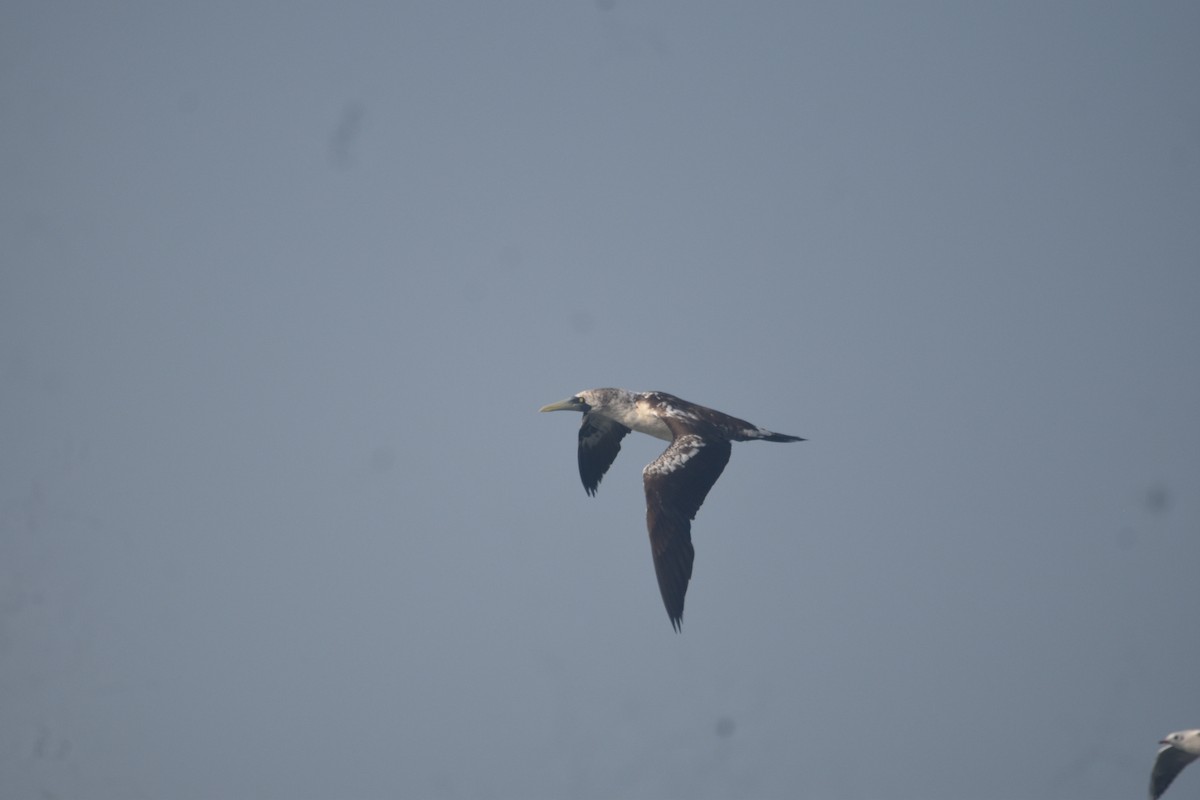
x=590, y=399
x=578, y=402
x=1178, y=738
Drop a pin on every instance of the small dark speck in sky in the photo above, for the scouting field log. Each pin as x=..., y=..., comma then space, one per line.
x=725, y=726
x=341, y=141
x=1157, y=499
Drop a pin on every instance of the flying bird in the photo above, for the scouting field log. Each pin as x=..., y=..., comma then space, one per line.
x=677, y=481
x=1178, y=750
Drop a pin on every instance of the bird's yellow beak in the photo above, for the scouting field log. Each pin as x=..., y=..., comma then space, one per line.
x=570, y=404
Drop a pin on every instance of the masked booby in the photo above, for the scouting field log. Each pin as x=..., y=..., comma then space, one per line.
x=677, y=481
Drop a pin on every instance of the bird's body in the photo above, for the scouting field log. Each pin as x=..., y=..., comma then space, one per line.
x=1178, y=750
x=677, y=481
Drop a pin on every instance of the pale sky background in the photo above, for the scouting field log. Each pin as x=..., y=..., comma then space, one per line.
x=283, y=286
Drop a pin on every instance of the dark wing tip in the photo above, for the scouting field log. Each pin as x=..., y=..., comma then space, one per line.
x=589, y=477
x=671, y=545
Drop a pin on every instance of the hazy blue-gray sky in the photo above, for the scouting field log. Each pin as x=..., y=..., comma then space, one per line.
x=283, y=286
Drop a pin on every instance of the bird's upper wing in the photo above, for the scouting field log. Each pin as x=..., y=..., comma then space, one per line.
x=1167, y=766
x=599, y=442
x=676, y=484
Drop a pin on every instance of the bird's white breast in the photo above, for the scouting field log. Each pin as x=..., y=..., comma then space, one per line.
x=641, y=418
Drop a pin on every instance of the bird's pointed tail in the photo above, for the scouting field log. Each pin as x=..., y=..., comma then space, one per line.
x=772, y=436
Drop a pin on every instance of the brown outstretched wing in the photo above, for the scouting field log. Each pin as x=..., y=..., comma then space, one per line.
x=599, y=442
x=676, y=484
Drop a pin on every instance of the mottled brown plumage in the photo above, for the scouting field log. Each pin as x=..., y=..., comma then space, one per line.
x=677, y=482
